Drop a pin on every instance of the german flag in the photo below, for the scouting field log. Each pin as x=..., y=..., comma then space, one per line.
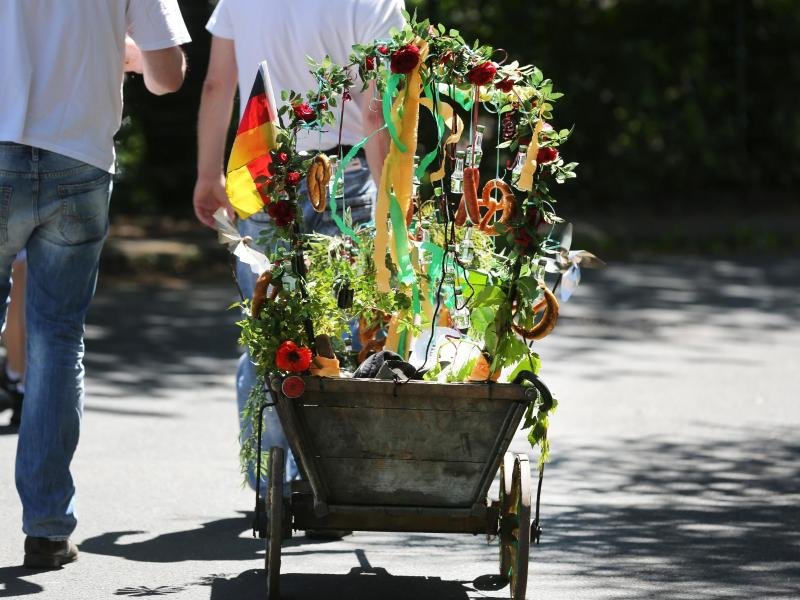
x=250, y=157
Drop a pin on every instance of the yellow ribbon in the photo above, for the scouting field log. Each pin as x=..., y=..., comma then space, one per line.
x=397, y=171
x=525, y=182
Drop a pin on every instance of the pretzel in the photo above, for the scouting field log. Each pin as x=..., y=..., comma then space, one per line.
x=505, y=206
x=319, y=174
x=260, y=295
x=548, y=321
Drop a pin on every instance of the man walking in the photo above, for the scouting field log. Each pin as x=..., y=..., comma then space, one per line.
x=246, y=32
x=61, y=102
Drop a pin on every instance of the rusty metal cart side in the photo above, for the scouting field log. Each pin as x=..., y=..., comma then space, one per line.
x=417, y=456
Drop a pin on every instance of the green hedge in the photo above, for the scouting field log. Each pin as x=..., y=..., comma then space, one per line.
x=676, y=103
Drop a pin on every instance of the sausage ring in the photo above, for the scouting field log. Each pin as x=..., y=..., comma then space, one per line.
x=549, y=305
x=319, y=174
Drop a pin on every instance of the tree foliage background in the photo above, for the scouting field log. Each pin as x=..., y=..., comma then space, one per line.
x=678, y=105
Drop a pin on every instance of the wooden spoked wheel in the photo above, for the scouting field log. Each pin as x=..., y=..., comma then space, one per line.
x=274, y=511
x=515, y=522
x=506, y=472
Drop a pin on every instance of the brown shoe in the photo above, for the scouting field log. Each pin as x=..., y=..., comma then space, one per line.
x=41, y=553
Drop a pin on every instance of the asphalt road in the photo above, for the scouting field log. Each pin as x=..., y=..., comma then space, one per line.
x=675, y=471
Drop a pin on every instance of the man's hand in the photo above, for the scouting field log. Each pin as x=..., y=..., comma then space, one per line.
x=133, y=56
x=209, y=195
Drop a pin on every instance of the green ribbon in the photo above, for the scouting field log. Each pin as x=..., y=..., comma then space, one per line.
x=435, y=274
x=462, y=98
x=402, y=343
x=339, y=175
x=400, y=240
x=388, y=97
x=440, y=129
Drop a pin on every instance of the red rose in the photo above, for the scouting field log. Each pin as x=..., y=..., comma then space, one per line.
x=369, y=63
x=482, y=74
x=304, y=112
x=546, y=155
x=383, y=49
x=505, y=85
x=282, y=212
x=404, y=59
x=322, y=103
x=291, y=357
x=293, y=177
x=281, y=158
x=523, y=239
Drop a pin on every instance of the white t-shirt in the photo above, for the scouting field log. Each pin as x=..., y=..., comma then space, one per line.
x=62, y=69
x=284, y=33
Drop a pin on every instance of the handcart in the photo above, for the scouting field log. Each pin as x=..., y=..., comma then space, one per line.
x=418, y=456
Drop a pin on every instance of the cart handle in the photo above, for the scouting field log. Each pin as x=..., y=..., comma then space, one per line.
x=538, y=384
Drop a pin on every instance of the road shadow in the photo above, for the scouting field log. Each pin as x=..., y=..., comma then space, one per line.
x=137, y=338
x=358, y=583
x=660, y=303
x=706, y=515
x=12, y=583
x=219, y=540
x=212, y=541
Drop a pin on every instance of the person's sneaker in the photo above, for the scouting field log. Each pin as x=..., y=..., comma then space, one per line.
x=41, y=553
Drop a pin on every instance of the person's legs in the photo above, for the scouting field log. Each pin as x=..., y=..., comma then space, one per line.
x=14, y=333
x=272, y=433
x=70, y=206
x=16, y=222
x=12, y=373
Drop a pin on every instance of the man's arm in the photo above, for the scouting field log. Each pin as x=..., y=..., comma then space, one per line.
x=377, y=147
x=163, y=70
x=214, y=117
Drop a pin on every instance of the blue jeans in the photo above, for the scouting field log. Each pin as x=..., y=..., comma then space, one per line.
x=359, y=196
x=56, y=208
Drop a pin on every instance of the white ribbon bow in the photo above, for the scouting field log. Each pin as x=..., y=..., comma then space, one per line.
x=238, y=245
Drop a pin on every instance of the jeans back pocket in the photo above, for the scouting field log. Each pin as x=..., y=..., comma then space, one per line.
x=84, y=209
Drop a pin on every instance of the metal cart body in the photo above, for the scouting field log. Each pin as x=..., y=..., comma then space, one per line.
x=417, y=456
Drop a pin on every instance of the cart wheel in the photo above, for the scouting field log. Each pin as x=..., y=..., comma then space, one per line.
x=274, y=511
x=515, y=526
x=506, y=472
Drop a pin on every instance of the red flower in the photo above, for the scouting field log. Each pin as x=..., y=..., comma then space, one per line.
x=482, y=74
x=281, y=158
x=523, y=239
x=383, y=49
x=404, y=59
x=546, y=155
x=369, y=63
x=293, y=177
x=291, y=357
x=505, y=85
x=282, y=212
x=304, y=112
x=322, y=103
